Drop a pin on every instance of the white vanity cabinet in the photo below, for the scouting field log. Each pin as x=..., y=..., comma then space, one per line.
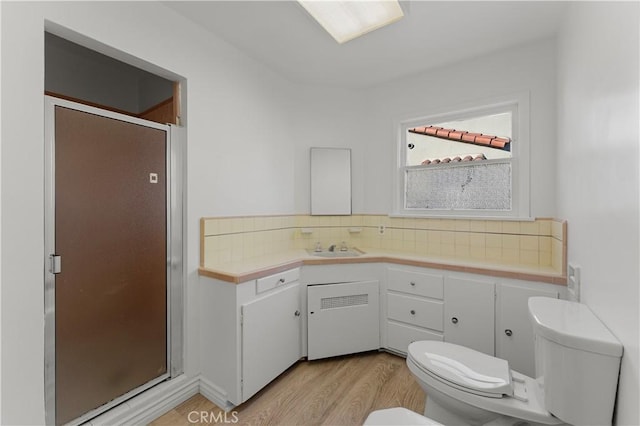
x=250, y=333
x=514, y=332
x=414, y=307
x=469, y=312
x=488, y=314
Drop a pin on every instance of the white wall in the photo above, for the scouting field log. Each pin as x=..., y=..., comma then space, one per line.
x=237, y=109
x=335, y=119
x=530, y=68
x=598, y=181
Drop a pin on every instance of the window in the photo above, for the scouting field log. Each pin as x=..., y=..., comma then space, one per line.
x=471, y=162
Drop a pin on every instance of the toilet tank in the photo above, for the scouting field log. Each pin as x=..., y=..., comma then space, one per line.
x=577, y=361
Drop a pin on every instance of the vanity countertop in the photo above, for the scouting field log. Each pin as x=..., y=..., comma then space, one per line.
x=258, y=267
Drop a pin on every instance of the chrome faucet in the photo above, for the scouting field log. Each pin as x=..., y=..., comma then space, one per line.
x=332, y=247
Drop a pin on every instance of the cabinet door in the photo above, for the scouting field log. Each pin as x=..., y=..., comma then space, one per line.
x=469, y=313
x=270, y=337
x=343, y=318
x=514, y=332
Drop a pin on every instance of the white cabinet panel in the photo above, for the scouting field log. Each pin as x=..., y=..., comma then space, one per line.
x=401, y=335
x=514, y=332
x=270, y=337
x=418, y=283
x=412, y=310
x=469, y=318
x=343, y=318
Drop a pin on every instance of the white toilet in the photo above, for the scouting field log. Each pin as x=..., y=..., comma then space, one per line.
x=577, y=367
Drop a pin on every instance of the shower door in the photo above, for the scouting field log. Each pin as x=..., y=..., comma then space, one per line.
x=110, y=262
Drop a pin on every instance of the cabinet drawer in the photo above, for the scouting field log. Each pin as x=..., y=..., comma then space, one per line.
x=399, y=336
x=418, y=283
x=275, y=280
x=423, y=313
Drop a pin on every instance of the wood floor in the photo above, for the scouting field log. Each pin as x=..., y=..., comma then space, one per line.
x=334, y=391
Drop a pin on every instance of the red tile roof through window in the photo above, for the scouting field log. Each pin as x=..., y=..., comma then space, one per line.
x=463, y=136
x=466, y=158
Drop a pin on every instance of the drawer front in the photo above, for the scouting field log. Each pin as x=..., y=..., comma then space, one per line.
x=423, y=313
x=418, y=283
x=276, y=280
x=400, y=335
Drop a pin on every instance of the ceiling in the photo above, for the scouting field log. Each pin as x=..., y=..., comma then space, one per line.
x=283, y=36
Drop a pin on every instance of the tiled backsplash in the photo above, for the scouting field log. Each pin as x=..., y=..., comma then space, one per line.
x=536, y=243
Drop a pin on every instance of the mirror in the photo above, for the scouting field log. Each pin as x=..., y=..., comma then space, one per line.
x=330, y=181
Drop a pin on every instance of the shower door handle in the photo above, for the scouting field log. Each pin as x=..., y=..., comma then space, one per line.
x=55, y=263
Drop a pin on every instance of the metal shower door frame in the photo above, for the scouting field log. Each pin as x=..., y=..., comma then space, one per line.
x=176, y=251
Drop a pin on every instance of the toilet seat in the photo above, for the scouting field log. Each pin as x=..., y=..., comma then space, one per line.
x=463, y=368
x=532, y=409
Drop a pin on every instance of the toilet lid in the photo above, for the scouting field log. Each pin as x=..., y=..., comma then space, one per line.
x=464, y=367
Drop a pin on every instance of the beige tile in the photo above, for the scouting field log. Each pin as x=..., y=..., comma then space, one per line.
x=409, y=234
x=510, y=255
x=434, y=249
x=334, y=220
x=529, y=228
x=493, y=240
x=447, y=237
x=346, y=220
x=511, y=242
x=477, y=252
x=422, y=248
x=462, y=251
x=544, y=227
x=409, y=223
x=236, y=225
x=529, y=257
x=477, y=239
x=409, y=246
x=529, y=242
x=434, y=236
x=259, y=223
x=448, y=224
x=422, y=236
x=249, y=224
x=436, y=224
x=493, y=253
x=544, y=244
x=422, y=223
x=461, y=239
x=477, y=225
x=225, y=226
x=556, y=229
x=462, y=225
x=494, y=226
x=544, y=258
x=447, y=249
x=510, y=227
x=211, y=227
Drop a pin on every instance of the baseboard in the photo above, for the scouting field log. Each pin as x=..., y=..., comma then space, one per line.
x=215, y=394
x=151, y=404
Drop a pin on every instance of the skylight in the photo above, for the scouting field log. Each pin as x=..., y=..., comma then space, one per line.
x=346, y=20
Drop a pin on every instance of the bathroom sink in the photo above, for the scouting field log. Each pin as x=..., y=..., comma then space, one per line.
x=336, y=253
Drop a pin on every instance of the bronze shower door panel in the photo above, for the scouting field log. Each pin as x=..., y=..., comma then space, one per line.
x=111, y=234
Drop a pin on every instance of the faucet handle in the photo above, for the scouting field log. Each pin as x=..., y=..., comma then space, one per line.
x=344, y=247
x=318, y=247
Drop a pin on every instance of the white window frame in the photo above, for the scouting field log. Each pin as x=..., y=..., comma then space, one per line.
x=518, y=104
